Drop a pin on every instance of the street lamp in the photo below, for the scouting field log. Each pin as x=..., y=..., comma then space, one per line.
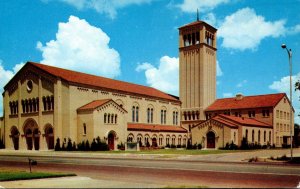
x=289, y=51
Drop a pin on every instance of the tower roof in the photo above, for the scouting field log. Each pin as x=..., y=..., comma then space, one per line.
x=198, y=22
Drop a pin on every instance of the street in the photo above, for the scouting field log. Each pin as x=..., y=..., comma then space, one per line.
x=164, y=172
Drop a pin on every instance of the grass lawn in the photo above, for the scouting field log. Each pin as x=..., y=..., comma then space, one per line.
x=10, y=175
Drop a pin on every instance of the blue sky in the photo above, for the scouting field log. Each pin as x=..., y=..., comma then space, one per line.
x=137, y=40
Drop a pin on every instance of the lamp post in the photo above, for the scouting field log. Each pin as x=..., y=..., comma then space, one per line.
x=289, y=51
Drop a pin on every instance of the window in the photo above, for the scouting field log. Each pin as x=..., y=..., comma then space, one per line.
x=173, y=139
x=84, y=129
x=116, y=117
x=150, y=115
x=160, y=140
x=163, y=116
x=253, y=135
x=258, y=136
x=270, y=135
x=234, y=137
x=277, y=113
x=108, y=118
x=105, y=115
x=168, y=140
x=135, y=114
x=175, y=117
x=265, y=133
x=266, y=113
x=251, y=113
x=246, y=134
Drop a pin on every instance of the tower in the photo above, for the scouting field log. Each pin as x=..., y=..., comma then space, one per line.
x=197, y=70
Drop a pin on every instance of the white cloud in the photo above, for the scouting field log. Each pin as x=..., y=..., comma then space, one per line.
x=210, y=18
x=191, y=6
x=143, y=66
x=108, y=7
x=165, y=76
x=241, y=84
x=283, y=85
x=227, y=95
x=294, y=30
x=245, y=29
x=219, y=71
x=5, y=76
x=82, y=47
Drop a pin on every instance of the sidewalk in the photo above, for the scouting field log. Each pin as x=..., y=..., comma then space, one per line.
x=75, y=182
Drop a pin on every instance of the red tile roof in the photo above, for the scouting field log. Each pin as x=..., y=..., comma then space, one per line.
x=235, y=122
x=94, y=104
x=241, y=121
x=102, y=82
x=269, y=100
x=154, y=128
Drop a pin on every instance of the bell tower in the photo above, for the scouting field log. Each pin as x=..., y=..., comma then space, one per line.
x=197, y=70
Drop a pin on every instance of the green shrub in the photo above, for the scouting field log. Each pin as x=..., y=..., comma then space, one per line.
x=57, y=145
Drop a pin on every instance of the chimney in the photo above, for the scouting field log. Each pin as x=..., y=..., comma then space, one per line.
x=239, y=96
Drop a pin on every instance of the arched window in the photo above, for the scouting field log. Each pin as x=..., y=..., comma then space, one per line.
x=173, y=139
x=105, y=115
x=270, y=135
x=133, y=113
x=168, y=140
x=160, y=140
x=84, y=129
x=108, y=118
x=265, y=133
x=148, y=115
x=116, y=116
x=179, y=140
x=258, y=136
x=234, y=137
x=112, y=118
x=253, y=135
x=246, y=134
x=137, y=114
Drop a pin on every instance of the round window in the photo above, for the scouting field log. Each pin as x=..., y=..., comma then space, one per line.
x=29, y=86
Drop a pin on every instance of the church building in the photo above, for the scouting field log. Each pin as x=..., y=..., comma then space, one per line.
x=42, y=103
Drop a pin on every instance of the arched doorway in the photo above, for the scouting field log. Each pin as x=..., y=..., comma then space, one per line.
x=111, y=140
x=211, y=139
x=49, y=134
x=15, y=137
x=32, y=135
x=154, y=142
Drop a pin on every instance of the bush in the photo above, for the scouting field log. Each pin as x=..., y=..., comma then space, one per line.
x=168, y=146
x=173, y=146
x=183, y=146
x=87, y=146
x=199, y=146
x=57, y=145
x=69, y=145
x=178, y=146
x=74, y=146
x=122, y=146
x=244, y=145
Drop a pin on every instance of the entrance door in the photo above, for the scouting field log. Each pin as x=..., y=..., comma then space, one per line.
x=111, y=141
x=210, y=139
x=29, y=139
x=15, y=138
x=49, y=137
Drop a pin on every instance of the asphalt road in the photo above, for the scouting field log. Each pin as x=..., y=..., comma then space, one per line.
x=173, y=173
